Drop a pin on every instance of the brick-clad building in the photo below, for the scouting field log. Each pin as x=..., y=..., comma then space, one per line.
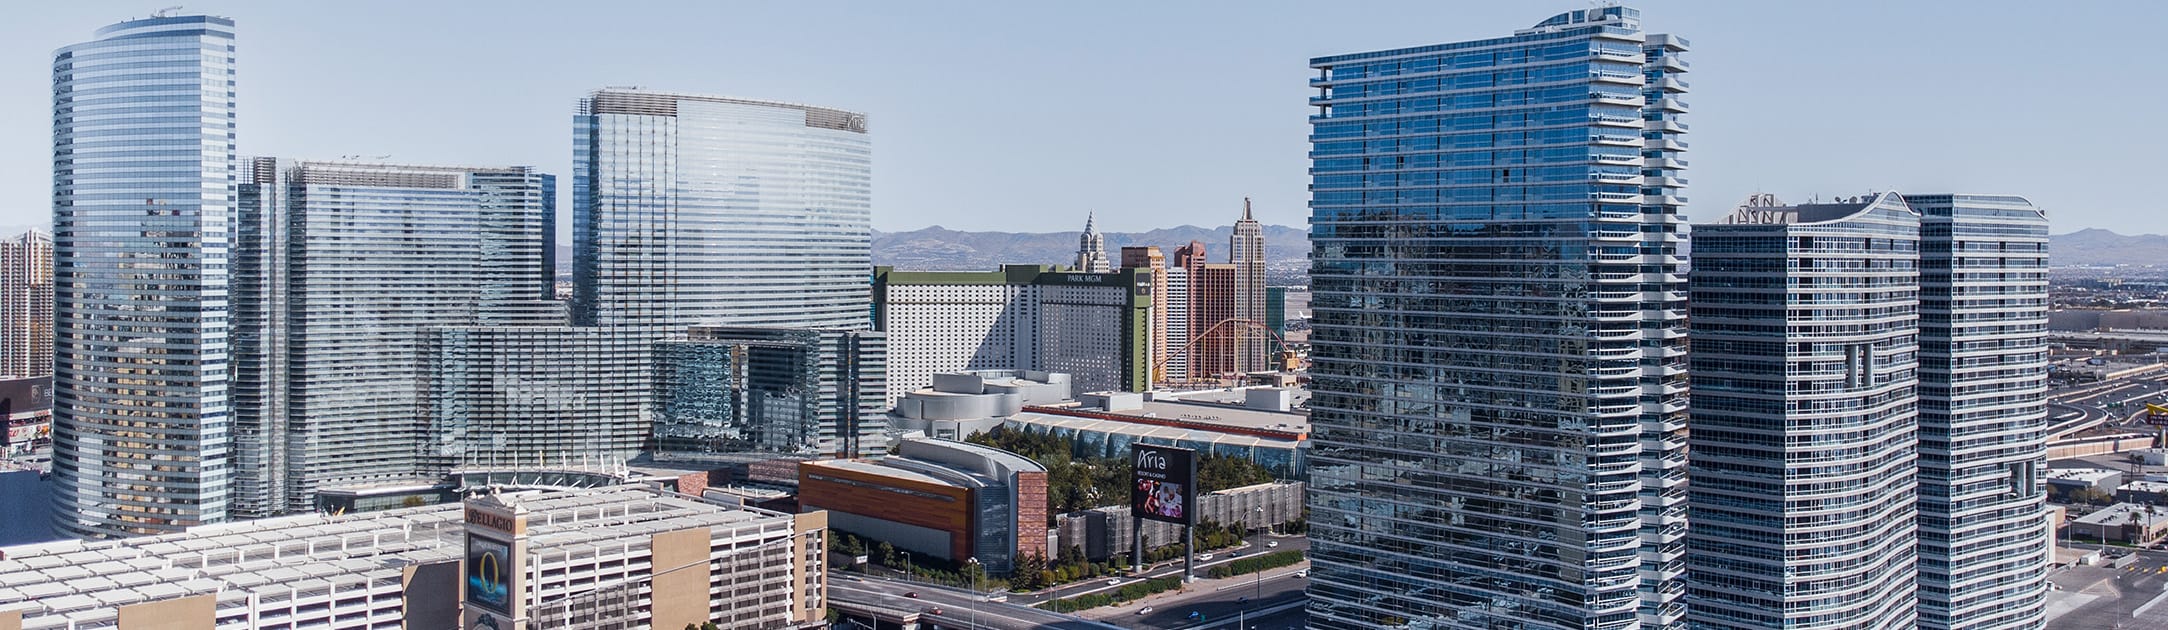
x=940, y=498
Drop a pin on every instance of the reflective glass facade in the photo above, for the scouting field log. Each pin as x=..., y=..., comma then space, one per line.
x=1983, y=411
x=1498, y=333
x=773, y=390
x=143, y=184
x=497, y=397
x=700, y=209
x=338, y=269
x=1805, y=374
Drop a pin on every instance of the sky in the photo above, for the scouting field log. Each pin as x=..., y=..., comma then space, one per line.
x=1024, y=116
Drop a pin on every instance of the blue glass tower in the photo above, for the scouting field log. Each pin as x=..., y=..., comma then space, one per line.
x=1499, y=324
x=701, y=209
x=143, y=185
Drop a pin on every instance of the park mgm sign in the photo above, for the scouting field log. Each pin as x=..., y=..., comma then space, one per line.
x=490, y=592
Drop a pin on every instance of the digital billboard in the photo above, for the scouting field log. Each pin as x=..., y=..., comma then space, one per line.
x=489, y=573
x=1163, y=483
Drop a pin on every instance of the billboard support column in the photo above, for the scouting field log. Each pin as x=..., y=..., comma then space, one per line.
x=1189, y=555
x=1136, y=541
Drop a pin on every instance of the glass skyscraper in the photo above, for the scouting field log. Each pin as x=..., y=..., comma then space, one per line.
x=338, y=269
x=143, y=184
x=701, y=209
x=1983, y=411
x=1806, y=365
x=1498, y=333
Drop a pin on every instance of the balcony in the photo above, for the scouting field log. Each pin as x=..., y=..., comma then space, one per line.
x=1671, y=105
x=1672, y=64
x=1669, y=83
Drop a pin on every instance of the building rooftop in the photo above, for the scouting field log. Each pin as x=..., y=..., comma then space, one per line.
x=2145, y=486
x=2081, y=474
x=280, y=558
x=2120, y=514
x=1175, y=434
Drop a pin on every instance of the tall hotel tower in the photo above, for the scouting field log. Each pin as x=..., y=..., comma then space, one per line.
x=338, y=271
x=1806, y=363
x=1499, y=328
x=702, y=209
x=143, y=181
x=26, y=305
x=1983, y=411
x=1246, y=250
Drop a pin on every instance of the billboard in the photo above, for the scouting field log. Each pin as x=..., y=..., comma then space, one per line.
x=1163, y=483
x=489, y=573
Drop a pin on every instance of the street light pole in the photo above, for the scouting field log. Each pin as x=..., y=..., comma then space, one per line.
x=907, y=567
x=974, y=562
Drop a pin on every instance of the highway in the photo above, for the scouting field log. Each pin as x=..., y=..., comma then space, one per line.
x=957, y=609
x=1217, y=604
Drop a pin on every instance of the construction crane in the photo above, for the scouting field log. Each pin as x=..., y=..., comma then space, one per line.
x=1159, y=368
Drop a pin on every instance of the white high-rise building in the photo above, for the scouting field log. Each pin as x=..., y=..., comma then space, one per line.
x=1805, y=373
x=1093, y=326
x=141, y=431
x=1983, y=411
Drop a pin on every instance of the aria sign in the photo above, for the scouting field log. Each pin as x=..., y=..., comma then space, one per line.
x=1163, y=483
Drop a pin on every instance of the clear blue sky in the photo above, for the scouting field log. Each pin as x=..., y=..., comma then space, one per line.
x=1023, y=116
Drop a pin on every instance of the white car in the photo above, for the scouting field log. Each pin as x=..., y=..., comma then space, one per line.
x=1145, y=610
x=1114, y=581
x=1204, y=557
x=1303, y=573
x=1271, y=543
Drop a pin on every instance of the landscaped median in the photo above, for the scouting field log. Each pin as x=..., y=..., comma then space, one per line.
x=1127, y=592
x=1254, y=564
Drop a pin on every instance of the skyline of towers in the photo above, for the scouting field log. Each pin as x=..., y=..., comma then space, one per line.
x=1499, y=396
x=26, y=304
x=140, y=420
x=694, y=209
x=1807, y=352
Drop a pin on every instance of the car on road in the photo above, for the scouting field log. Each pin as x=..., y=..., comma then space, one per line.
x=1204, y=557
x=1114, y=581
x=911, y=594
x=1145, y=610
x=1235, y=554
x=933, y=610
x=1303, y=573
x=1272, y=543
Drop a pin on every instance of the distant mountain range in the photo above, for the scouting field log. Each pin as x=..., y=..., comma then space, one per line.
x=2102, y=247
x=942, y=249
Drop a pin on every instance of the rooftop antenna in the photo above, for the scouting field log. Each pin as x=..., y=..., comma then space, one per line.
x=166, y=12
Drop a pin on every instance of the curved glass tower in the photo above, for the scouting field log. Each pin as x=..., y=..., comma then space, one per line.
x=1806, y=372
x=1499, y=335
x=702, y=209
x=143, y=183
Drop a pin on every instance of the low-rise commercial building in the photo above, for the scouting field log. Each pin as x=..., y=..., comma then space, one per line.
x=2064, y=481
x=1108, y=531
x=2127, y=522
x=941, y=498
x=2143, y=493
x=626, y=556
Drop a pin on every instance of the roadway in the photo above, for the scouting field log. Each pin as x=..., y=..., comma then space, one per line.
x=1276, y=602
x=2108, y=598
x=958, y=610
